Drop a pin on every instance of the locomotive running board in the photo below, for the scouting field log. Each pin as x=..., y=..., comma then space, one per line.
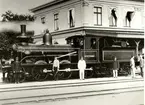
x=68, y=69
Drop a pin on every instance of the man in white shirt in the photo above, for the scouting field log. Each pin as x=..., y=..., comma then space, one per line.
x=55, y=67
x=132, y=65
x=81, y=67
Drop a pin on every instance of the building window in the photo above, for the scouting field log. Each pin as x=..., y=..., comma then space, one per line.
x=129, y=16
x=43, y=20
x=56, y=27
x=98, y=15
x=113, y=17
x=71, y=18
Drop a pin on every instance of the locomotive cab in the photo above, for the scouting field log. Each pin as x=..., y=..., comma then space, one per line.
x=89, y=48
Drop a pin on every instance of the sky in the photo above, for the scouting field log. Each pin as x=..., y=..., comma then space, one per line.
x=19, y=6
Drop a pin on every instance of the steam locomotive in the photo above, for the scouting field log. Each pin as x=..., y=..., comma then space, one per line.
x=98, y=52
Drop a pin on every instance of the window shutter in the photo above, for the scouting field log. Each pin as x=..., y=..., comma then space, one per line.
x=73, y=16
x=68, y=18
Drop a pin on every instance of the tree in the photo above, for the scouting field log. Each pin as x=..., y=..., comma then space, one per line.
x=9, y=16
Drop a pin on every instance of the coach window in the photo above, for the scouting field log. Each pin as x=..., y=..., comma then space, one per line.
x=129, y=16
x=71, y=17
x=113, y=17
x=43, y=20
x=93, y=43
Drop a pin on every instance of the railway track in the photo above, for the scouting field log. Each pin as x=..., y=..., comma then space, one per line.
x=51, y=92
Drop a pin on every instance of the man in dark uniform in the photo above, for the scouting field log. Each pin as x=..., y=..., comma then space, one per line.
x=141, y=65
x=115, y=68
x=16, y=69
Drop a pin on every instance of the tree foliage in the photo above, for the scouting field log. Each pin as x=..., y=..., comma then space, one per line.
x=7, y=39
x=9, y=16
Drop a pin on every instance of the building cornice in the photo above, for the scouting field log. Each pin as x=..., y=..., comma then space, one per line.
x=100, y=31
x=54, y=2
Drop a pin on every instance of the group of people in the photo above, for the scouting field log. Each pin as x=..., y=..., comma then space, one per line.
x=133, y=66
x=6, y=65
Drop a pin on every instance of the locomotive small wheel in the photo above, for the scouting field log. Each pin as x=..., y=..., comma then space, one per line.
x=37, y=71
x=126, y=69
x=88, y=73
x=96, y=71
x=22, y=75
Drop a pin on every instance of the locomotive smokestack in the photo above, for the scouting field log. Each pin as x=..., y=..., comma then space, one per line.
x=23, y=30
x=47, y=38
x=23, y=38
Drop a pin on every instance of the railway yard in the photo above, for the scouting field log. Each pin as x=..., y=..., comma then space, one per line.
x=57, y=92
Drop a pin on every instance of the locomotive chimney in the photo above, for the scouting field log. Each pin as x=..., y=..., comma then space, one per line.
x=23, y=38
x=23, y=30
x=47, y=38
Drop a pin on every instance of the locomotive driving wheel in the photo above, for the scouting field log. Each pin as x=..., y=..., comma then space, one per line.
x=22, y=74
x=39, y=71
x=65, y=64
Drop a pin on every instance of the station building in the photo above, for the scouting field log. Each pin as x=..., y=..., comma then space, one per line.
x=112, y=21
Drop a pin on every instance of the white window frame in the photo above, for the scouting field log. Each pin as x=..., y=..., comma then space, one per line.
x=56, y=21
x=97, y=14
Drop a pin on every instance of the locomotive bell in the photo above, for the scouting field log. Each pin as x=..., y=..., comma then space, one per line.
x=47, y=38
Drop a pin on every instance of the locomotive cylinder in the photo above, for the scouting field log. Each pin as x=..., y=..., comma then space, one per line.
x=47, y=38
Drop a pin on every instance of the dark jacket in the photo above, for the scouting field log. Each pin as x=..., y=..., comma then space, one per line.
x=115, y=65
x=16, y=66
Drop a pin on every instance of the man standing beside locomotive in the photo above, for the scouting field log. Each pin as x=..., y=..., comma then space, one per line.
x=115, y=68
x=55, y=68
x=81, y=67
x=141, y=65
x=16, y=69
x=132, y=65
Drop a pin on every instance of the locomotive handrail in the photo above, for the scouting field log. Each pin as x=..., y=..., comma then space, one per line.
x=67, y=54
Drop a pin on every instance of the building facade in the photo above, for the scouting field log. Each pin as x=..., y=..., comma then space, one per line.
x=111, y=18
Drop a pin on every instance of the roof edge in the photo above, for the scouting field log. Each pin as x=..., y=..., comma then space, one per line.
x=46, y=5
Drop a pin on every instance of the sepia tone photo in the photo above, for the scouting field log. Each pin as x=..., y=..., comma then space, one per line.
x=72, y=52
